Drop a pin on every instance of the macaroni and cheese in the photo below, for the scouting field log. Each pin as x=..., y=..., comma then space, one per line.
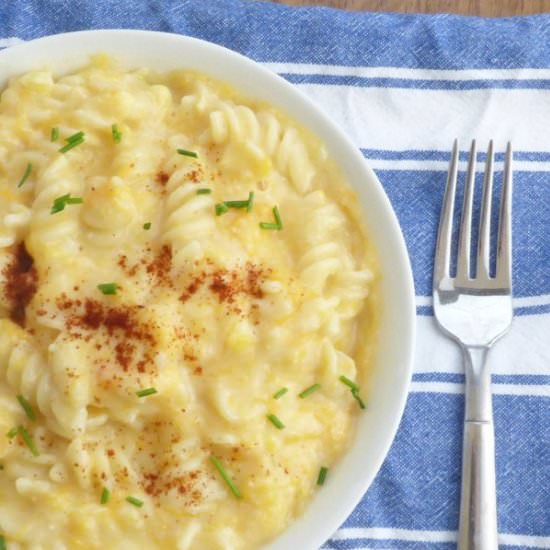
x=184, y=313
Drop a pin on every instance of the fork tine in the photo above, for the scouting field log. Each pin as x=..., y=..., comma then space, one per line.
x=485, y=218
x=445, y=231
x=504, y=246
x=463, y=261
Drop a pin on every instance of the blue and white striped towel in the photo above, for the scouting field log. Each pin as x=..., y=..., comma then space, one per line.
x=403, y=87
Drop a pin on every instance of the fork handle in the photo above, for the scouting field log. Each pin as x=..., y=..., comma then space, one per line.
x=478, y=507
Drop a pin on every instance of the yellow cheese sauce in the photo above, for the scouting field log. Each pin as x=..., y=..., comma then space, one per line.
x=172, y=254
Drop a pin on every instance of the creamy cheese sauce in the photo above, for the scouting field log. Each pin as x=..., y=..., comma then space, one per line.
x=146, y=321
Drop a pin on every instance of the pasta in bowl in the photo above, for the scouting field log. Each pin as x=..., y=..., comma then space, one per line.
x=188, y=317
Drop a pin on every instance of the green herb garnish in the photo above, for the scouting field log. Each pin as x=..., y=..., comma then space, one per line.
x=280, y=393
x=147, y=226
x=308, y=391
x=105, y=496
x=221, y=208
x=72, y=141
x=2, y=543
x=60, y=203
x=278, y=225
x=116, y=133
x=354, y=390
x=187, y=153
x=357, y=398
x=236, y=204
x=28, y=440
x=218, y=465
x=250, y=201
x=275, y=421
x=26, y=407
x=54, y=136
x=135, y=501
x=12, y=433
x=277, y=217
x=322, y=475
x=70, y=146
x=242, y=204
x=349, y=383
x=204, y=191
x=27, y=173
x=75, y=137
x=146, y=392
x=108, y=289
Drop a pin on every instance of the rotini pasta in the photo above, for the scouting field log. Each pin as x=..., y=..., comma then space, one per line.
x=183, y=278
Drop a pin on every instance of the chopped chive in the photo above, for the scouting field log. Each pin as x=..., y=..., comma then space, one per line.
x=243, y=203
x=71, y=144
x=322, y=475
x=221, y=208
x=2, y=543
x=12, y=433
x=146, y=392
x=236, y=204
x=135, y=501
x=277, y=216
x=349, y=383
x=187, y=153
x=26, y=407
x=308, y=391
x=105, y=496
x=147, y=226
x=108, y=288
x=280, y=393
x=60, y=203
x=27, y=173
x=75, y=137
x=357, y=398
x=54, y=136
x=278, y=225
x=218, y=465
x=204, y=191
x=28, y=440
x=275, y=421
x=117, y=134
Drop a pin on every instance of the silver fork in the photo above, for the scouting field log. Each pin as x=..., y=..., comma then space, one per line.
x=475, y=312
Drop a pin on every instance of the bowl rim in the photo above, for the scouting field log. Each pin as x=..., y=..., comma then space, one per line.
x=342, y=496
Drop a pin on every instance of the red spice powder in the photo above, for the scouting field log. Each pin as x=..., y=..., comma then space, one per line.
x=93, y=314
x=124, y=329
x=155, y=485
x=20, y=282
x=124, y=353
x=161, y=266
x=162, y=178
x=193, y=287
x=255, y=276
x=227, y=284
x=123, y=264
x=194, y=175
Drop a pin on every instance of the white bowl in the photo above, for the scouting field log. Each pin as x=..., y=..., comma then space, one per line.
x=388, y=392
